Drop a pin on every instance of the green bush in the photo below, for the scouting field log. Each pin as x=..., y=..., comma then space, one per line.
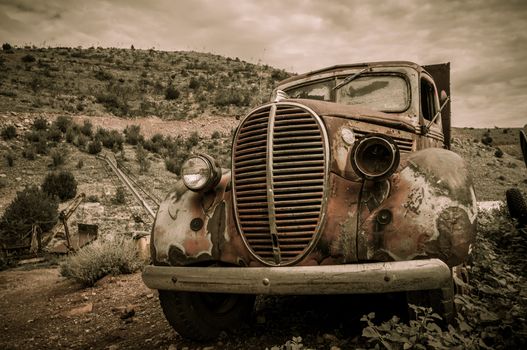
x=110, y=139
x=28, y=58
x=29, y=152
x=54, y=134
x=120, y=196
x=62, y=184
x=171, y=93
x=71, y=134
x=133, y=134
x=141, y=157
x=87, y=128
x=10, y=158
x=32, y=206
x=9, y=132
x=112, y=256
x=94, y=147
x=63, y=123
x=40, y=124
x=58, y=156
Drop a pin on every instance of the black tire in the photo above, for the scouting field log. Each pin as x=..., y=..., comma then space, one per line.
x=202, y=316
x=440, y=300
x=516, y=205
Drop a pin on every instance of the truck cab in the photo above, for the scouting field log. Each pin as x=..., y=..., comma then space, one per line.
x=343, y=183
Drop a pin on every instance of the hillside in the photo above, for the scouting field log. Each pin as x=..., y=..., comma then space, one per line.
x=130, y=83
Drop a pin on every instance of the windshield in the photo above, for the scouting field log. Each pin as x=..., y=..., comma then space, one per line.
x=386, y=93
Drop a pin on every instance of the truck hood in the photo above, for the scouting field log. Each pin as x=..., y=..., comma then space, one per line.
x=323, y=108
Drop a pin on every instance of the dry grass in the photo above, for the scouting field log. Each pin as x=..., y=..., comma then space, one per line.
x=111, y=256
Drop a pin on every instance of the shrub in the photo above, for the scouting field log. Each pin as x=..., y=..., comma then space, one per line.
x=9, y=132
x=194, y=83
x=80, y=164
x=193, y=140
x=40, y=124
x=112, y=256
x=58, y=156
x=28, y=58
x=87, y=128
x=10, y=158
x=62, y=185
x=133, y=134
x=71, y=133
x=94, y=147
x=171, y=93
x=81, y=140
x=30, y=206
x=120, y=195
x=54, y=134
x=141, y=157
x=215, y=135
x=63, y=123
x=110, y=139
x=498, y=153
x=29, y=152
x=7, y=47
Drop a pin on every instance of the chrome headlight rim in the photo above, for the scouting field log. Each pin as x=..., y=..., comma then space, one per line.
x=361, y=146
x=213, y=173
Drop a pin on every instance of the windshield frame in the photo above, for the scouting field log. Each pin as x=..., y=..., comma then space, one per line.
x=334, y=79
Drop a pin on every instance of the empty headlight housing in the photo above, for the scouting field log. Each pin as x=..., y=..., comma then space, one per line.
x=375, y=157
x=200, y=173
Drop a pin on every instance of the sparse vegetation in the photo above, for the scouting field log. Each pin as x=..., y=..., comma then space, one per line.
x=40, y=123
x=87, y=128
x=133, y=134
x=141, y=157
x=94, y=147
x=9, y=132
x=111, y=256
x=120, y=195
x=10, y=158
x=63, y=123
x=58, y=156
x=31, y=206
x=62, y=185
x=171, y=93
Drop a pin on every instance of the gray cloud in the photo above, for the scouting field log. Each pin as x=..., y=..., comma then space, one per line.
x=483, y=40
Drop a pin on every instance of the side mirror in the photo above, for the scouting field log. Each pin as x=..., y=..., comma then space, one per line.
x=443, y=97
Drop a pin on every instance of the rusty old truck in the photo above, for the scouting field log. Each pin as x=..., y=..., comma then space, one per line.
x=342, y=184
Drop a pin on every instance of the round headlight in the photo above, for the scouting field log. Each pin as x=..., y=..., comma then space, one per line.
x=200, y=172
x=375, y=157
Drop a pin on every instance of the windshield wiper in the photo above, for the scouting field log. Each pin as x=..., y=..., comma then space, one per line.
x=350, y=78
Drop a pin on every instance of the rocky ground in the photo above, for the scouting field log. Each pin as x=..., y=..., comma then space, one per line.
x=42, y=310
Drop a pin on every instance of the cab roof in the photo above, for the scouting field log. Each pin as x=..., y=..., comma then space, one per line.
x=354, y=65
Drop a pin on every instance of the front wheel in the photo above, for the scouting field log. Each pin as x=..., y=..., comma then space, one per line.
x=202, y=316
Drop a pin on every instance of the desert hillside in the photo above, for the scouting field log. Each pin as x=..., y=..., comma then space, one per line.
x=130, y=83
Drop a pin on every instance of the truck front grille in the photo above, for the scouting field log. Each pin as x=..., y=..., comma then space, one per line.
x=279, y=174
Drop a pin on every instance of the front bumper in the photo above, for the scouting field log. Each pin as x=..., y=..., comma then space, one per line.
x=296, y=280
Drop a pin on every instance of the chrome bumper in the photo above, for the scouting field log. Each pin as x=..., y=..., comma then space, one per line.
x=296, y=280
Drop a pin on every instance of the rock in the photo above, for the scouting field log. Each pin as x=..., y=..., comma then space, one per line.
x=113, y=347
x=87, y=308
x=172, y=347
x=208, y=348
x=150, y=296
x=3, y=175
x=18, y=179
x=334, y=348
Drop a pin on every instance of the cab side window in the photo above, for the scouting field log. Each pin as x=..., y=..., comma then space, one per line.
x=428, y=105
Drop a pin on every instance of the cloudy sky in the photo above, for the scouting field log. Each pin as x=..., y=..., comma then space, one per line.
x=485, y=41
